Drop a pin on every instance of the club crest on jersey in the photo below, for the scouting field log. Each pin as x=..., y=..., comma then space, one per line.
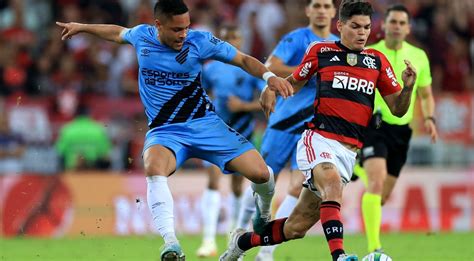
x=352, y=59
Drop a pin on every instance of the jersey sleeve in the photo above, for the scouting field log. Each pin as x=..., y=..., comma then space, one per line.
x=424, y=75
x=387, y=81
x=212, y=47
x=286, y=48
x=131, y=35
x=309, y=65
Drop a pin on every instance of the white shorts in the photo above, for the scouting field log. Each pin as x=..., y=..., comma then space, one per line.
x=314, y=149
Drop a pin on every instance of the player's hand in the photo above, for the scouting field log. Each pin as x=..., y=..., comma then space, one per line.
x=281, y=86
x=409, y=75
x=235, y=104
x=69, y=30
x=431, y=128
x=267, y=101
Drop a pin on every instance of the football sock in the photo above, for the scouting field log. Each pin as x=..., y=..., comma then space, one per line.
x=284, y=210
x=265, y=193
x=372, y=213
x=235, y=208
x=247, y=209
x=160, y=203
x=332, y=227
x=210, y=204
x=273, y=234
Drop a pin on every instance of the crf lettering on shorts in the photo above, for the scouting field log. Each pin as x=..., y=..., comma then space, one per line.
x=330, y=230
x=353, y=84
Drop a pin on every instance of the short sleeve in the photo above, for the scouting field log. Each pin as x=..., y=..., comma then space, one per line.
x=131, y=35
x=387, y=81
x=286, y=48
x=309, y=65
x=212, y=47
x=424, y=75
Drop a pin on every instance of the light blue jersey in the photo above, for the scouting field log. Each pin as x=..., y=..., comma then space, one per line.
x=180, y=115
x=287, y=122
x=226, y=80
x=170, y=81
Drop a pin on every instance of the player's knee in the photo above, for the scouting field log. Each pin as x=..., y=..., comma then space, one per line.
x=295, y=190
x=154, y=169
x=261, y=175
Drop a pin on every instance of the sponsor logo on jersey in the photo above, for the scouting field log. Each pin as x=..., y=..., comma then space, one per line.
x=161, y=78
x=369, y=62
x=391, y=76
x=144, y=52
x=335, y=59
x=353, y=84
x=352, y=59
x=305, y=70
x=327, y=49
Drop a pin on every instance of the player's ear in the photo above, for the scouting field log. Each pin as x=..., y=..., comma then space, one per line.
x=339, y=25
x=158, y=23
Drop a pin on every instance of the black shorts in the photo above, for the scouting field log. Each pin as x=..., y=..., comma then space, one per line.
x=390, y=142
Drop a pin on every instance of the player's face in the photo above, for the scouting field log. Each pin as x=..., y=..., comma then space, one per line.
x=396, y=26
x=355, y=31
x=320, y=13
x=173, y=30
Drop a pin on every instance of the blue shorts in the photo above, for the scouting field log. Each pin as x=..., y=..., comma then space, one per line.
x=278, y=147
x=207, y=138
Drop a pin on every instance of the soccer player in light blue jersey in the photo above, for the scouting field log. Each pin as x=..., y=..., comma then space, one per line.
x=181, y=118
x=286, y=123
x=234, y=96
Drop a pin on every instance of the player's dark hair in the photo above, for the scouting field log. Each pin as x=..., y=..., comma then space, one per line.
x=399, y=8
x=349, y=8
x=168, y=8
x=308, y=2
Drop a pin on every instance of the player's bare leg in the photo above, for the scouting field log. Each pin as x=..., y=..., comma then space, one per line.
x=251, y=165
x=159, y=163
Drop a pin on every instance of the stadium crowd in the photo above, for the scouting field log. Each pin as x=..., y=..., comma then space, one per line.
x=56, y=78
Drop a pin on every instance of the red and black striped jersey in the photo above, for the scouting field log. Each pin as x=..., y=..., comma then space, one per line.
x=346, y=82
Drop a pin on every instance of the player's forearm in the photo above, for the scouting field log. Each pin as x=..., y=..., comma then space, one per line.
x=402, y=103
x=428, y=106
x=251, y=106
x=253, y=66
x=108, y=32
x=281, y=70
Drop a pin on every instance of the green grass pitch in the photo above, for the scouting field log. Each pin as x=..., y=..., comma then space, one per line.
x=433, y=246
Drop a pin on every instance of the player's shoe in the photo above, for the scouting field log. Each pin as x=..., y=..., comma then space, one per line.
x=207, y=249
x=347, y=257
x=172, y=252
x=233, y=252
x=261, y=216
x=379, y=250
x=264, y=255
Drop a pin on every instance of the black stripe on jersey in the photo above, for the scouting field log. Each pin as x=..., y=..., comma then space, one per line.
x=338, y=126
x=181, y=57
x=188, y=107
x=299, y=130
x=170, y=106
x=201, y=111
x=294, y=119
x=326, y=91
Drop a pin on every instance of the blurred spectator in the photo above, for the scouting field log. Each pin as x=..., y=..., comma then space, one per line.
x=11, y=147
x=83, y=143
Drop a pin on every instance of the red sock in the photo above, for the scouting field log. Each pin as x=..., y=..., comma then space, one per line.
x=332, y=227
x=272, y=235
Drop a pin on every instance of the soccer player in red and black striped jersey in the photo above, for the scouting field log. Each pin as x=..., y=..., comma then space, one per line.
x=347, y=74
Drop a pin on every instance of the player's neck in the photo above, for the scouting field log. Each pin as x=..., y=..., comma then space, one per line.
x=322, y=32
x=393, y=44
